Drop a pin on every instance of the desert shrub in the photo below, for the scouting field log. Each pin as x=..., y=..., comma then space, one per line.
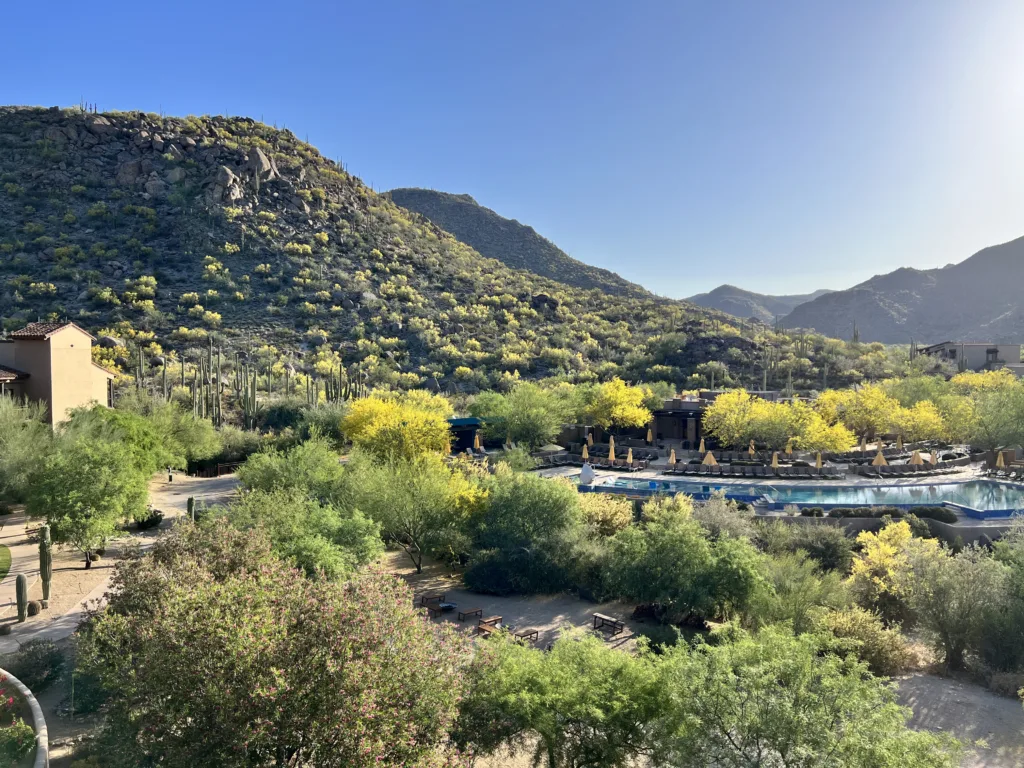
x=605, y=513
x=828, y=545
x=885, y=651
x=720, y=516
x=812, y=512
x=1007, y=684
x=284, y=413
x=153, y=518
x=659, y=636
x=942, y=514
x=324, y=420
x=38, y=664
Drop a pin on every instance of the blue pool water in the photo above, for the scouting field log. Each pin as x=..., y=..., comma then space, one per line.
x=981, y=495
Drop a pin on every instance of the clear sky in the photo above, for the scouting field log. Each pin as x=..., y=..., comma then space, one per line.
x=780, y=146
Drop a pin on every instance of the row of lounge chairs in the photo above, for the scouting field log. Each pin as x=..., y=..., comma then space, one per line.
x=908, y=470
x=1012, y=474
x=577, y=460
x=736, y=470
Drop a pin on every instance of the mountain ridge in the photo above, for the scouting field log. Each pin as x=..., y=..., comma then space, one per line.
x=748, y=304
x=509, y=241
x=977, y=298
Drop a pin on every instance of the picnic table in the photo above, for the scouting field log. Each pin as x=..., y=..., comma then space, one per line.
x=434, y=610
x=437, y=597
x=601, y=622
x=478, y=612
x=528, y=635
x=488, y=625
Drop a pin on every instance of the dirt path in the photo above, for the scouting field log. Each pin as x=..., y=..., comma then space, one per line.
x=970, y=712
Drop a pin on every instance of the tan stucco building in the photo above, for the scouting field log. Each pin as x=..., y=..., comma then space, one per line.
x=52, y=363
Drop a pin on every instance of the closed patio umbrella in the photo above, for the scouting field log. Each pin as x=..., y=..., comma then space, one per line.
x=775, y=459
x=629, y=456
x=899, y=442
x=650, y=436
x=750, y=450
x=1000, y=462
x=672, y=456
x=476, y=441
x=701, y=449
x=863, y=443
x=879, y=460
x=586, y=453
x=817, y=461
x=709, y=460
x=611, y=448
x=916, y=459
x=935, y=457
x=590, y=439
x=789, y=447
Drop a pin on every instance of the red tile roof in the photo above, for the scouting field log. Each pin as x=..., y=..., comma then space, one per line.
x=11, y=374
x=40, y=331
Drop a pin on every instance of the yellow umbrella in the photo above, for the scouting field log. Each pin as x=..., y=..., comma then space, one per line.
x=701, y=449
x=817, y=461
x=672, y=456
x=448, y=446
x=899, y=442
x=879, y=460
x=476, y=441
x=629, y=456
x=709, y=460
x=590, y=439
x=586, y=453
x=1000, y=463
x=935, y=457
x=789, y=447
x=863, y=443
x=915, y=459
x=775, y=459
x=750, y=450
x=650, y=436
x=611, y=448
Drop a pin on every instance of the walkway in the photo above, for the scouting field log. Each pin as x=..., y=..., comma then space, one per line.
x=170, y=498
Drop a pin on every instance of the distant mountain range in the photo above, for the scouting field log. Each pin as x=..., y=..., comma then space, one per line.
x=979, y=299
x=516, y=245
x=747, y=304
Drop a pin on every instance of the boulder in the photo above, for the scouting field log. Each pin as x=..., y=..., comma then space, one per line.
x=142, y=139
x=188, y=143
x=109, y=342
x=224, y=177
x=146, y=166
x=260, y=166
x=175, y=175
x=175, y=152
x=128, y=172
x=99, y=125
x=156, y=188
x=158, y=143
x=55, y=135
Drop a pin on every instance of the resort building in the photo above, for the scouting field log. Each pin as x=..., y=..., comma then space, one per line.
x=976, y=355
x=52, y=363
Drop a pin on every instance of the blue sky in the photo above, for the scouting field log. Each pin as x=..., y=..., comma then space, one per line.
x=781, y=146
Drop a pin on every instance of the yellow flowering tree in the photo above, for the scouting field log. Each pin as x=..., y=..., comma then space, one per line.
x=392, y=428
x=879, y=573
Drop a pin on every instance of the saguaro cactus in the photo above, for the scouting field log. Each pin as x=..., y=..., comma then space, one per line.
x=192, y=508
x=21, y=588
x=45, y=560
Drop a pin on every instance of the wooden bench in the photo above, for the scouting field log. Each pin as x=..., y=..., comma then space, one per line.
x=601, y=621
x=478, y=612
x=486, y=629
x=434, y=610
x=488, y=625
x=436, y=598
x=528, y=635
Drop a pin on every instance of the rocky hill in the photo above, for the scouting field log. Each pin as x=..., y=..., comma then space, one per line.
x=167, y=232
x=508, y=241
x=977, y=299
x=747, y=304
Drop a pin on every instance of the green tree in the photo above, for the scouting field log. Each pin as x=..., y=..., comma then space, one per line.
x=84, y=488
x=581, y=704
x=670, y=560
x=319, y=539
x=779, y=699
x=951, y=596
x=529, y=414
x=421, y=504
x=25, y=437
x=794, y=591
x=312, y=467
x=214, y=652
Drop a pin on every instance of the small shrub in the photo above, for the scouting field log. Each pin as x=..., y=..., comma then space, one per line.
x=38, y=664
x=16, y=742
x=1006, y=683
x=151, y=520
x=660, y=636
x=885, y=651
x=812, y=512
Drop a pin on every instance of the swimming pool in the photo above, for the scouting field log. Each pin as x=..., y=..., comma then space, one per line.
x=977, y=498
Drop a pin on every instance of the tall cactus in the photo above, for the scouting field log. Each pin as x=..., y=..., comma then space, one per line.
x=45, y=560
x=192, y=508
x=21, y=589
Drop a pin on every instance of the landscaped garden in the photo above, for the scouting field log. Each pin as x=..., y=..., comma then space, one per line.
x=406, y=606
